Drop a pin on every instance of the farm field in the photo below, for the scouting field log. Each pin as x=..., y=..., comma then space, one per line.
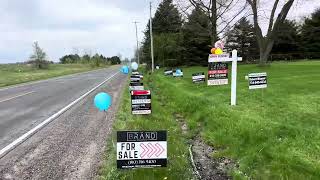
x=11, y=74
x=272, y=133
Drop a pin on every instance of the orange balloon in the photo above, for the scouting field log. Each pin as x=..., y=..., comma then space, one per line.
x=213, y=50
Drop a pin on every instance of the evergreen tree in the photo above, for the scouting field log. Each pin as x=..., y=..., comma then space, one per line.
x=310, y=34
x=287, y=40
x=166, y=22
x=242, y=38
x=196, y=39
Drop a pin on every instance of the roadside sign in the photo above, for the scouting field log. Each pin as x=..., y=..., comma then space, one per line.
x=141, y=102
x=218, y=58
x=141, y=149
x=217, y=73
x=136, y=86
x=135, y=78
x=257, y=80
x=198, y=77
x=168, y=72
x=135, y=72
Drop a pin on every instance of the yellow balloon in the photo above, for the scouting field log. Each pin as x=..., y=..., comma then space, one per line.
x=218, y=51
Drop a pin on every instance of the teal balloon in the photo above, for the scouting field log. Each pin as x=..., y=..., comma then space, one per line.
x=102, y=101
x=124, y=69
x=178, y=71
x=134, y=66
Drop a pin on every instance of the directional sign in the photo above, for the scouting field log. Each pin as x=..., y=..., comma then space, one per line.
x=257, y=80
x=217, y=73
x=141, y=149
x=141, y=102
x=198, y=77
x=136, y=86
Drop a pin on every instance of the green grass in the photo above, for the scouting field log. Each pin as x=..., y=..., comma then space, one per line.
x=11, y=74
x=160, y=119
x=272, y=133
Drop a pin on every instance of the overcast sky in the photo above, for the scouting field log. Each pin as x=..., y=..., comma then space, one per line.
x=69, y=26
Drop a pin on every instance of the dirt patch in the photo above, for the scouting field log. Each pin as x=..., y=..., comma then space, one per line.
x=205, y=165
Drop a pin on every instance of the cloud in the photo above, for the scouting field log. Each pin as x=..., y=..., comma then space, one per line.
x=66, y=26
x=61, y=26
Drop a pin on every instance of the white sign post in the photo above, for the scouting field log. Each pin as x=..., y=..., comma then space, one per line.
x=234, y=59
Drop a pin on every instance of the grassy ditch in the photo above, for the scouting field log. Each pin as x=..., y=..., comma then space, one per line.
x=161, y=119
x=272, y=133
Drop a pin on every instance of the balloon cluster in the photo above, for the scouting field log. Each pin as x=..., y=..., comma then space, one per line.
x=218, y=47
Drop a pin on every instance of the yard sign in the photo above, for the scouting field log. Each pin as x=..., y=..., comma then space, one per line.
x=217, y=73
x=198, y=77
x=141, y=102
x=257, y=80
x=234, y=59
x=141, y=149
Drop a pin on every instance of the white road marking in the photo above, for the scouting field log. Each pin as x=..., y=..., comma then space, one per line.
x=22, y=138
x=8, y=99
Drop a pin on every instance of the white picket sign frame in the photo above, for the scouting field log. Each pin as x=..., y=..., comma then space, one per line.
x=234, y=59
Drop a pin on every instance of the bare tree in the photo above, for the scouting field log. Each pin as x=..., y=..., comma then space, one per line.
x=221, y=14
x=266, y=42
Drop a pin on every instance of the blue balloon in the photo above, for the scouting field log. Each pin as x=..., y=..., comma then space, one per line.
x=134, y=66
x=124, y=69
x=102, y=101
x=178, y=71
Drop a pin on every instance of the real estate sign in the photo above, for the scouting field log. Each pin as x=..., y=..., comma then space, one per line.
x=257, y=80
x=141, y=102
x=136, y=86
x=141, y=149
x=217, y=73
x=198, y=77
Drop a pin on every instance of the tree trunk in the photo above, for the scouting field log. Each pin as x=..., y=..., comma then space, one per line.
x=265, y=49
x=213, y=22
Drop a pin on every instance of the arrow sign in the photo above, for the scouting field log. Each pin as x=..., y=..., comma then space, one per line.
x=136, y=149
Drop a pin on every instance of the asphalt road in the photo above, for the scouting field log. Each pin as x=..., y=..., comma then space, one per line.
x=72, y=145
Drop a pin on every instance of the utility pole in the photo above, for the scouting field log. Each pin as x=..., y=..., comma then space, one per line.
x=151, y=38
x=135, y=22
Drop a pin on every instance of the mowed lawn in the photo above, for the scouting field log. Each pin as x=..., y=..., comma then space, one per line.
x=11, y=74
x=272, y=133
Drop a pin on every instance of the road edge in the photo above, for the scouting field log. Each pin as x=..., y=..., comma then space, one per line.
x=28, y=134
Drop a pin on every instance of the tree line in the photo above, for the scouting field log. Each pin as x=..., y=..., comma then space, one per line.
x=186, y=37
x=40, y=61
x=95, y=60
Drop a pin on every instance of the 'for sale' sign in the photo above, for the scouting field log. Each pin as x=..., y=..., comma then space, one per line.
x=257, y=80
x=141, y=102
x=141, y=149
x=217, y=73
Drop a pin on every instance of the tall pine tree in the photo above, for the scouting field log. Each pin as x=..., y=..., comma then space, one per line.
x=242, y=38
x=310, y=34
x=166, y=26
x=196, y=38
x=287, y=40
